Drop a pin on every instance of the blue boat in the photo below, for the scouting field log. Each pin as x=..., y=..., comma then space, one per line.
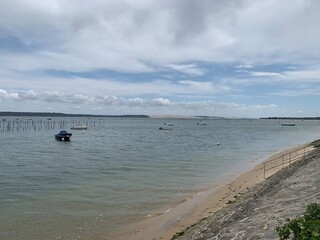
x=288, y=124
x=63, y=136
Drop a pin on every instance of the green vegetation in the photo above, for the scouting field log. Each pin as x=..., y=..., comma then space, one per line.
x=303, y=228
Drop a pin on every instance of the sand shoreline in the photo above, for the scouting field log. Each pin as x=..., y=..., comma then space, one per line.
x=257, y=213
x=204, y=204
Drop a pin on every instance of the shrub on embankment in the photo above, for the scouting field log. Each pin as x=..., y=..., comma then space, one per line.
x=303, y=228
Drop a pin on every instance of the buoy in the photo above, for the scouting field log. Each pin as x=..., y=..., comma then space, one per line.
x=218, y=144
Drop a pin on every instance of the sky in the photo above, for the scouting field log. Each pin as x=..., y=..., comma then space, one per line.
x=235, y=58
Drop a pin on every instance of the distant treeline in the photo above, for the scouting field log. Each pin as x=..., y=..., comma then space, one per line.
x=52, y=114
x=293, y=118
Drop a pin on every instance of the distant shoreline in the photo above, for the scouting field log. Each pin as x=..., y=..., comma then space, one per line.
x=57, y=114
x=292, y=118
x=53, y=114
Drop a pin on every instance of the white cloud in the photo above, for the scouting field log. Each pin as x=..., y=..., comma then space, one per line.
x=245, y=66
x=53, y=97
x=297, y=79
x=265, y=74
x=3, y=93
x=303, y=91
x=294, y=76
x=190, y=69
x=141, y=105
x=27, y=94
x=305, y=75
x=160, y=102
x=204, y=87
x=22, y=95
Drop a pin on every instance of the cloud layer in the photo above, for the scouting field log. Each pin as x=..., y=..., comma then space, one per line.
x=129, y=36
x=153, y=106
x=183, y=50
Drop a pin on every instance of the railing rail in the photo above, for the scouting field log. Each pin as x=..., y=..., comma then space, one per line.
x=285, y=160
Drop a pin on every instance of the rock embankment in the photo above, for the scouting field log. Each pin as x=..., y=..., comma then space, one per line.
x=257, y=213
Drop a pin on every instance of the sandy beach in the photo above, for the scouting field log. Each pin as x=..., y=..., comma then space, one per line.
x=196, y=218
x=265, y=206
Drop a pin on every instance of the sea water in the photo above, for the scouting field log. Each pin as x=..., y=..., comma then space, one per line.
x=123, y=171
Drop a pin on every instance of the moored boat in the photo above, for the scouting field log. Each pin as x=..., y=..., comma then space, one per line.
x=164, y=128
x=63, y=136
x=79, y=127
x=288, y=124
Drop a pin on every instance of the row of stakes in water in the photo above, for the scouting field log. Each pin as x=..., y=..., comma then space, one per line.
x=23, y=125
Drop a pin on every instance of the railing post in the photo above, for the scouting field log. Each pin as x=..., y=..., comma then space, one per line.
x=264, y=170
x=282, y=161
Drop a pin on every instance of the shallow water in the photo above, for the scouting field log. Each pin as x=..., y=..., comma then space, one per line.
x=123, y=170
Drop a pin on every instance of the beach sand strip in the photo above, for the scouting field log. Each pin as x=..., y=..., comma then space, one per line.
x=256, y=214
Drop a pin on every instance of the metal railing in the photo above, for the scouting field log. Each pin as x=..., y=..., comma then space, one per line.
x=285, y=160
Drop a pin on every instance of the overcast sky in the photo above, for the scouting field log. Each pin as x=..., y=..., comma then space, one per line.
x=232, y=58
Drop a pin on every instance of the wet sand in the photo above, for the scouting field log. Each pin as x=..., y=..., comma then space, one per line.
x=190, y=213
x=257, y=213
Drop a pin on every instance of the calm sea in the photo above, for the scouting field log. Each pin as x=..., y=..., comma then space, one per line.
x=120, y=171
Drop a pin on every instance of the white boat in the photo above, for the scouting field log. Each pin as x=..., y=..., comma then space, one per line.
x=288, y=124
x=169, y=124
x=79, y=127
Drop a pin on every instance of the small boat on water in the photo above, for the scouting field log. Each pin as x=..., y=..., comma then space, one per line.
x=201, y=123
x=288, y=124
x=79, y=127
x=164, y=128
x=169, y=124
x=63, y=136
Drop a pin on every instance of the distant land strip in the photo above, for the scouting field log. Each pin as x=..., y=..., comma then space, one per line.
x=53, y=114
x=293, y=118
